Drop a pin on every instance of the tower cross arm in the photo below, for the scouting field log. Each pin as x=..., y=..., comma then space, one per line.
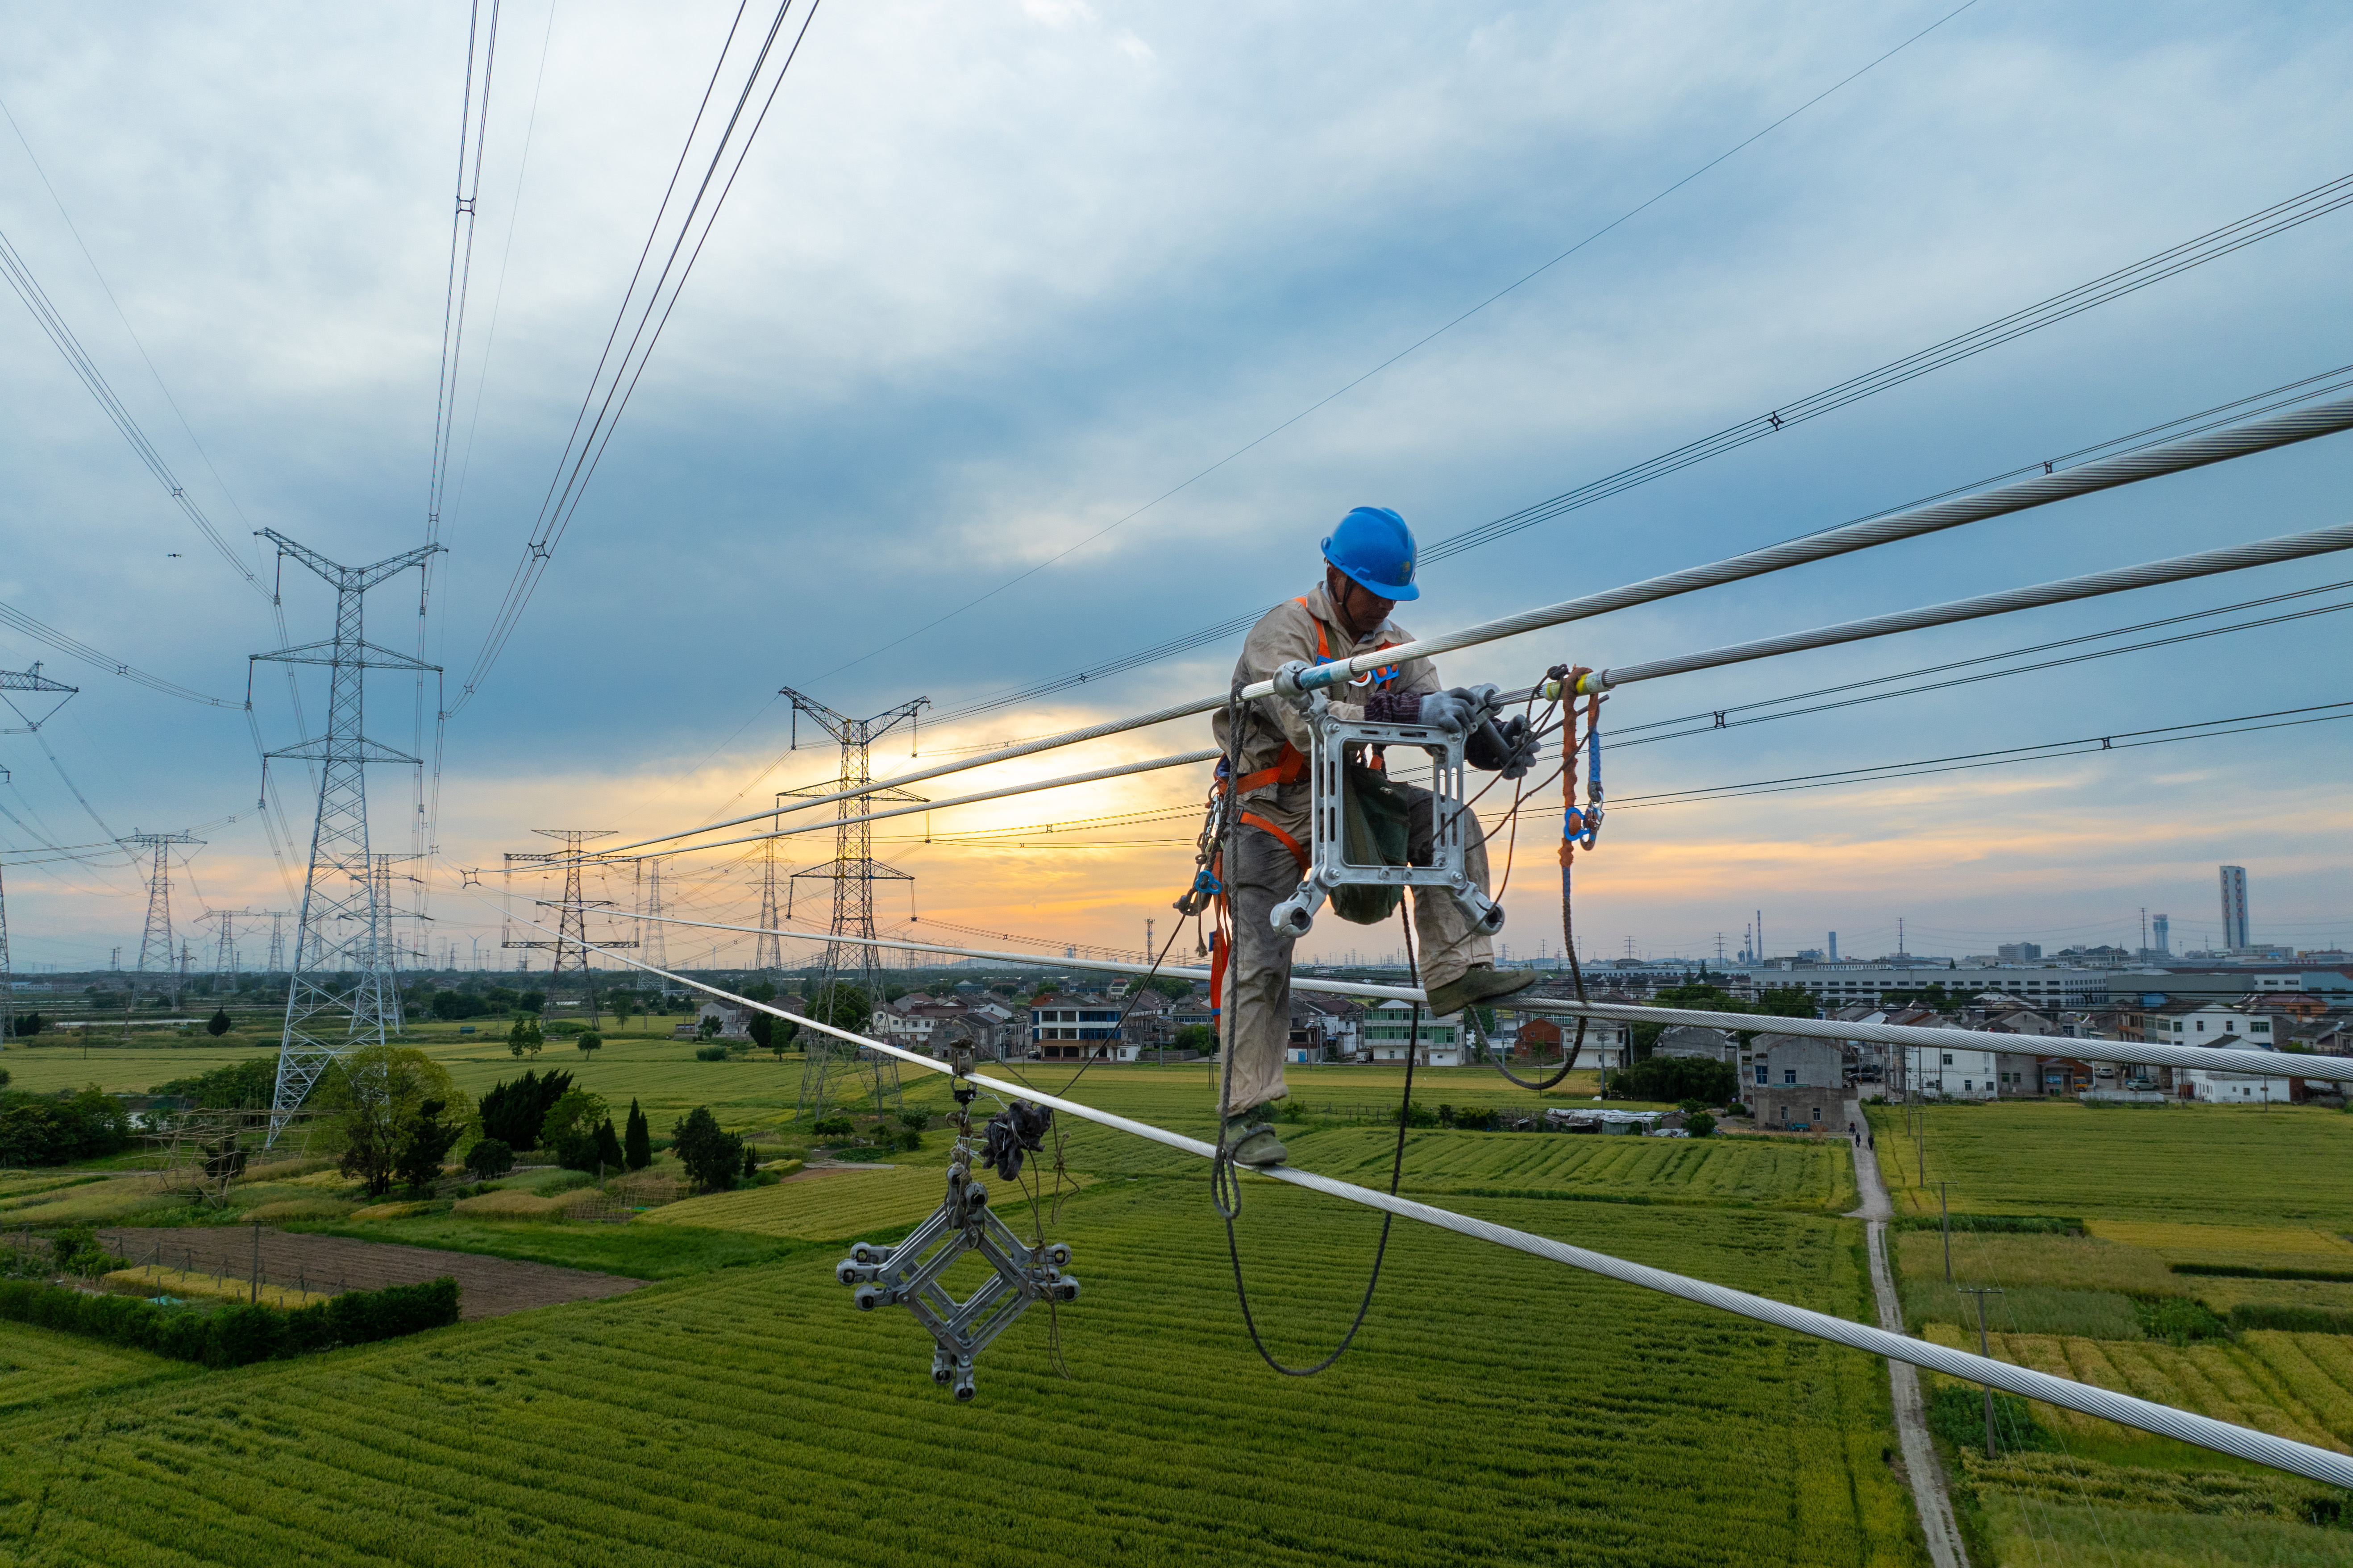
x=353, y=578
x=373, y=655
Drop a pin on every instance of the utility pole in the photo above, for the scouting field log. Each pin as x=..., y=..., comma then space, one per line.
x=853, y=871
x=572, y=914
x=1981, y=1292
x=340, y=930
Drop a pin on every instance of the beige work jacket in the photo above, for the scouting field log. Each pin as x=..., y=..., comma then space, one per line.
x=1287, y=632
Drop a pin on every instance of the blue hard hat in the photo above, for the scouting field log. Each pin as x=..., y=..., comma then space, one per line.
x=1375, y=547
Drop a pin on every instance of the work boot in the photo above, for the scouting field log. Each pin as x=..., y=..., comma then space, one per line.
x=1480, y=983
x=1256, y=1146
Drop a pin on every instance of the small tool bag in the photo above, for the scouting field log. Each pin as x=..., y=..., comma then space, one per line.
x=1376, y=822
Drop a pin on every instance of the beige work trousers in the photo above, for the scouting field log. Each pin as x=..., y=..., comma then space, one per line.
x=1256, y=1024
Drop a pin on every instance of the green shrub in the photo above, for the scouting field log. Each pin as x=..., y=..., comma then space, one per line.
x=2179, y=1320
x=1700, y=1124
x=916, y=1119
x=710, y=1053
x=1993, y=1224
x=237, y=1335
x=1957, y=1414
x=2295, y=1319
x=490, y=1158
x=1673, y=1078
x=835, y=1127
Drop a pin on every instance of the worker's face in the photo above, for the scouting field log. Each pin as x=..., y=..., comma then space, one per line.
x=1359, y=607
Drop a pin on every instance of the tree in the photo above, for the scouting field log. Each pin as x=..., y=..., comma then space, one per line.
x=764, y=991
x=452, y=1005
x=250, y=1083
x=711, y=1157
x=525, y=1037
x=1700, y=1124
x=423, y=1144
x=1672, y=1079
x=219, y=1024
x=624, y=1003
x=851, y=1009
x=707, y=1026
x=1170, y=987
x=609, y=1154
x=514, y=1112
x=532, y=1002
x=590, y=1041
x=1197, y=1037
x=637, y=1143
x=375, y=1104
x=29, y=1024
x=489, y=1158
x=771, y=1033
x=576, y=1115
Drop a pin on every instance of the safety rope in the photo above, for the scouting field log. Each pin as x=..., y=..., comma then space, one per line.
x=1575, y=827
x=1225, y=1184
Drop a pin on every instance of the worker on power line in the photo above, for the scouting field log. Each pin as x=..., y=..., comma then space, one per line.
x=1368, y=567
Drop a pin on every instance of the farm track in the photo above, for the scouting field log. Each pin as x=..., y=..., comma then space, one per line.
x=1933, y=1502
x=487, y=1286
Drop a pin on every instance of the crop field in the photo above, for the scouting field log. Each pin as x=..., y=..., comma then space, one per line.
x=2291, y=1385
x=1496, y=1409
x=2057, y=1262
x=843, y=1205
x=2240, y=1246
x=2049, y=1509
x=1777, y=1171
x=2214, y=1164
x=38, y=1366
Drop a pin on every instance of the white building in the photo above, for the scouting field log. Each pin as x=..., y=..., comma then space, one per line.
x=1389, y=1026
x=1961, y=1074
x=2047, y=985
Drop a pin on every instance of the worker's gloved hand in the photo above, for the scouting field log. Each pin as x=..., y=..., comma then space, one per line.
x=1509, y=747
x=1458, y=708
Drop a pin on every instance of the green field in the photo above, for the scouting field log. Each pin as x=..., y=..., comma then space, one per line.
x=2213, y=1186
x=1496, y=1409
x=38, y=1367
x=2217, y=1164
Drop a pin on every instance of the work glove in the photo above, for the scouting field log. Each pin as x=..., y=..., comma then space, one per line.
x=1458, y=708
x=1509, y=747
x=1019, y=1127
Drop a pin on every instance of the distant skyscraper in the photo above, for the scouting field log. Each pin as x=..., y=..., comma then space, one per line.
x=2234, y=906
x=2161, y=942
x=1834, y=947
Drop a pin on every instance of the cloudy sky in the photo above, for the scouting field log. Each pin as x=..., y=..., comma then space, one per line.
x=1008, y=355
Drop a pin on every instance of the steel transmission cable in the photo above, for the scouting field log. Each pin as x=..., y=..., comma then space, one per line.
x=584, y=448
x=473, y=140
x=1973, y=679
x=2277, y=218
x=2260, y=1448
x=1963, y=762
x=1622, y=731
x=1418, y=345
x=2277, y=430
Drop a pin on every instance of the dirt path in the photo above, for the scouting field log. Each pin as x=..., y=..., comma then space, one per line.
x=1920, y=1465
x=487, y=1286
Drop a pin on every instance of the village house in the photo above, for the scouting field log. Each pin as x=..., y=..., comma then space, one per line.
x=1068, y=1026
x=1797, y=1081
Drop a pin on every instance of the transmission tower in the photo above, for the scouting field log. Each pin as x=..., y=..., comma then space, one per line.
x=572, y=914
x=226, y=965
x=651, y=948
x=768, y=948
x=155, y=941
x=336, y=999
x=853, y=871
x=277, y=965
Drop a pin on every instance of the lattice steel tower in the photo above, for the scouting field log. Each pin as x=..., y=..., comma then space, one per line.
x=338, y=997
x=156, y=939
x=853, y=871
x=572, y=915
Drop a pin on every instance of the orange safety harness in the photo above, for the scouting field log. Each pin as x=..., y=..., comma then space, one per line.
x=1290, y=763
x=1289, y=766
